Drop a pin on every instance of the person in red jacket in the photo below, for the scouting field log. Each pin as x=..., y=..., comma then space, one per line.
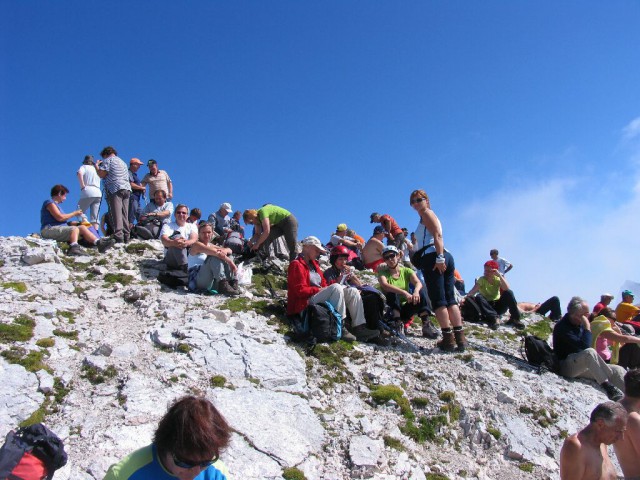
x=306, y=284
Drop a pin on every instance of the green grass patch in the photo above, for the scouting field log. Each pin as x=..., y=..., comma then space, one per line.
x=426, y=429
x=453, y=409
x=494, y=432
x=96, y=375
x=293, y=473
x=507, y=373
x=393, y=443
x=19, y=287
x=420, y=402
x=46, y=342
x=382, y=394
x=541, y=329
x=466, y=357
x=20, y=330
x=69, y=316
x=217, y=381
x=447, y=396
x=121, y=278
x=71, y=334
x=30, y=360
x=263, y=281
x=183, y=348
x=137, y=247
x=436, y=476
x=526, y=467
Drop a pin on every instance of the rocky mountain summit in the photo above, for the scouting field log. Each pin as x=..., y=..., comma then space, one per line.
x=96, y=348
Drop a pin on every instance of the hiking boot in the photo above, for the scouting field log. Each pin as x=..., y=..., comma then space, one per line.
x=516, y=323
x=364, y=334
x=347, y=336
x=448, y=342
x=76, y=251
x=105, y=244
x=428, y=330
x=225, y=288
x=461, y=341
x=492, y=323
x=380, y=341
x=613, y=393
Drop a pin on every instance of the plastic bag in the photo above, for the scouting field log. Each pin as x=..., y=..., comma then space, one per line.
x=244, y=274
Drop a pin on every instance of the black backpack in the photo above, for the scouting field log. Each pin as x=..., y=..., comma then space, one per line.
x=322, y=322
x=148, y=229
x=539, y=353
x=373, y=302
x=470, y=311
x=36, y=440
x=174, y=278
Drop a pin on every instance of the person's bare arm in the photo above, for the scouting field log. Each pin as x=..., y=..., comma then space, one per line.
x=265, y=227
x=572, y=466
x=620, y=338
x=474, y=290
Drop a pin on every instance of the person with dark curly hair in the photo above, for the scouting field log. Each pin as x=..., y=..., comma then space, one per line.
x=187, y=445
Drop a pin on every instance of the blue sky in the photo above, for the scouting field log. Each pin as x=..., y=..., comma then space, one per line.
x=520, y=119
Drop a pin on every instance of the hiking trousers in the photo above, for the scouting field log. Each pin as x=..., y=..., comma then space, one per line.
x=343, y=298
x=119, y=214
x=287, y=227
x=588, y=364
x=211, y=272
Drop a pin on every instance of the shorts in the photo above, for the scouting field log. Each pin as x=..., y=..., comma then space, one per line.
x=59, y=233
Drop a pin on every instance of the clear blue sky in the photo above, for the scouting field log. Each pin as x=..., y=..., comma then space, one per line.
x=518, y=118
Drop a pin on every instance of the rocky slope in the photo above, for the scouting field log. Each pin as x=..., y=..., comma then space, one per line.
x=97, y=348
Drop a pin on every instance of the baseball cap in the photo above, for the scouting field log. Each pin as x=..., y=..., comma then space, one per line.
x=608, y=295
x=315, y=242
x=628, y=292
x=492, y=264
x=342, y=227
x=151, y=161
x=135, y=161
x=226, y=206
x=378, y=229
x=374, y=214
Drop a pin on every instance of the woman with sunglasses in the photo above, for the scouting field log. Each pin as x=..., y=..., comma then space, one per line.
x=437, y=267
x=404, y=292
x=186, y=445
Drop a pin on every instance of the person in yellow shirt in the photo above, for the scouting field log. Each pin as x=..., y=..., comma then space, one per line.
x=626, y=311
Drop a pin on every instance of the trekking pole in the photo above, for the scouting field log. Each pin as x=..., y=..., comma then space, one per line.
x=517, y=360
x=402, y=337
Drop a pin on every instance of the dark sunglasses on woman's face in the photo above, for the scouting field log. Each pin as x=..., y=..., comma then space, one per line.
x=417, y=200
x=188, y=465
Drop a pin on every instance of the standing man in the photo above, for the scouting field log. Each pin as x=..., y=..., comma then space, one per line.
x=137, y=191
x=628, y=448
x=584, y=454
x=118, y=189
x=395, y=236
x=503, y=263
x=157, y=180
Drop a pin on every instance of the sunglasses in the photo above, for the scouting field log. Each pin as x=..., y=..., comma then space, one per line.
x=417, y=200
x=188, y=465
x=182, y=213
x=389, y=257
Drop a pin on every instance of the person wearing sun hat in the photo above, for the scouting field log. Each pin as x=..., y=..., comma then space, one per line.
x=626, y=311
x=605, y=300
x=306, y=284
x=221, y=220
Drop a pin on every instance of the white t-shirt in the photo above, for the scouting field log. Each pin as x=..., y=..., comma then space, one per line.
x=185, y=231
x=91, y=182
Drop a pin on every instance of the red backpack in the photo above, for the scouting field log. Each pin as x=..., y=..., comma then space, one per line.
x=31, y=453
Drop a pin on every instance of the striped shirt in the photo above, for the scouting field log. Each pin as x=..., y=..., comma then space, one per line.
x=118, y=174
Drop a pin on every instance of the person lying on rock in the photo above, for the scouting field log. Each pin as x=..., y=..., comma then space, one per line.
x=177, y=237
x=53, y=224
x=404, y=292
x=494, y=297
x=572, y=345
x=187, y=445
x=306, y=284
x=211, y=267
x=550, y=306
x=584, y=454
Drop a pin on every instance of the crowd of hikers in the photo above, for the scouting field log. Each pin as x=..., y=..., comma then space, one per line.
x=416, y=280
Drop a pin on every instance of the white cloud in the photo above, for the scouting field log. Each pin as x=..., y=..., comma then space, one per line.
x=632, y=130
x=564, y=237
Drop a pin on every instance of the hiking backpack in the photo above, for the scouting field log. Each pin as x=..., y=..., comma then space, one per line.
x=470, y=311
x=148, y=229
x=31, y=453
x=539, y=353
x=373, y=303
x=322, y=322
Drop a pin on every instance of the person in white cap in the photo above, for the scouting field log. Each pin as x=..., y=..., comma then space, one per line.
x=605, y=300
x=306, y=284
x=220, y=219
